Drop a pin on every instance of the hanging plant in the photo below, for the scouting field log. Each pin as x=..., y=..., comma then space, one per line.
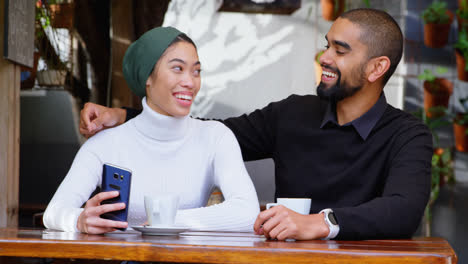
x=442, y=171
x=460, y=127
x=461, y=55
x=442, y=168
x=437, y=19
x=462, y=16
x=437, y=91
x=54, y=64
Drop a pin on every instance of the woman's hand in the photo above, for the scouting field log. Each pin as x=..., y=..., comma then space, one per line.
x=90, y=220
x=94, y=118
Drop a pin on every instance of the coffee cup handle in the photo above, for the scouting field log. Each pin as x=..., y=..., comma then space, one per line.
x=270, y=205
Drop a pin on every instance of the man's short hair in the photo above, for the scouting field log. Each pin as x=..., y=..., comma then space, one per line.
x=380, y=33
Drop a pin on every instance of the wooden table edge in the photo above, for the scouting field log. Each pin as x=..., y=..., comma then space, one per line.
x=147, y=251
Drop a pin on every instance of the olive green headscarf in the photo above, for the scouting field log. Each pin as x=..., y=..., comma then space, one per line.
x=142, y=55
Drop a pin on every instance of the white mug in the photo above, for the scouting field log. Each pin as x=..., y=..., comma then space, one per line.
x=299, y=205
x=161, y=209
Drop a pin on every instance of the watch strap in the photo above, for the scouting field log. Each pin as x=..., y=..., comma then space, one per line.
x=334, y=228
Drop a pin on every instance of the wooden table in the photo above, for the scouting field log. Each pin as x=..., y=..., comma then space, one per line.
x=206, y=247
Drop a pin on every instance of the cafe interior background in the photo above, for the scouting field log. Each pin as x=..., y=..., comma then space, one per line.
x=253, y=52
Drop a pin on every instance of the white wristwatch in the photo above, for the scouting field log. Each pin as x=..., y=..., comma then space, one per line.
x=332, y=223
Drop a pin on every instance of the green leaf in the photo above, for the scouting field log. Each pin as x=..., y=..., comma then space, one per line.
x=366, y=3
x=462, y=11
x=441, y=70
x=427, y=75
x=446, y=156
x=337, y=7
x=439, y=123
x=434, y=122
x=435, y=160
x=462, y=45
x=436, y=13
x=320, y=53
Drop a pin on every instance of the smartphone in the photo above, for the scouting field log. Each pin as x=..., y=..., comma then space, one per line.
x=115, y=178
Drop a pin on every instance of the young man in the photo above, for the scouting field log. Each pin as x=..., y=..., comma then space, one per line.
x=365, y=165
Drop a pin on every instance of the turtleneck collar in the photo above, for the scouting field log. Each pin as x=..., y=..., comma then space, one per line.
x=160, y=127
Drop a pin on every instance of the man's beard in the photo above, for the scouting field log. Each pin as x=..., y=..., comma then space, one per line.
x=339, y=91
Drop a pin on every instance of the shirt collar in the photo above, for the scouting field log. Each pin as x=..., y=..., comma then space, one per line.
x=365, y=123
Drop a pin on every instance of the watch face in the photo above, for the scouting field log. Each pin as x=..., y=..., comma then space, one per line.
x=331, y=217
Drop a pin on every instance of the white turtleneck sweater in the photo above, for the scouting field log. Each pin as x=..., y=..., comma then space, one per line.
x=166, y=155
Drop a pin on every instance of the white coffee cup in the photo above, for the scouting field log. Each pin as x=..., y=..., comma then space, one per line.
x=299, y=205
x=161, y=209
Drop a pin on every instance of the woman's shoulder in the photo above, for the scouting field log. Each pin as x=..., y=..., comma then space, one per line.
x=210, y=128
x=209, y=124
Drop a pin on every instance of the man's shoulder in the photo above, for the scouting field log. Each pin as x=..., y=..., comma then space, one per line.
x=402, y=117
x=403, y=123
x=301, y=102
x=295, y=98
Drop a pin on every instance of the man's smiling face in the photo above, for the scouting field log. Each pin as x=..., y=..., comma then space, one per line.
x=344, y=62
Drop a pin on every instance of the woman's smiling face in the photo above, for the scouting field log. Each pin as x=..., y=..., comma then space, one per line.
x=175, y=81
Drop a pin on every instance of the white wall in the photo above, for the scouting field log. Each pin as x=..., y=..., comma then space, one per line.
x=247, y=60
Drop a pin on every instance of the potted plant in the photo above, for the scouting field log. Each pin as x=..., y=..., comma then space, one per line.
x=462, y=15
x=42, y=21
x=460, y=127
x=441, y=172
x=54, y=66
x=434, y=123
x=318, y=68
x=442, y=161
x=437, y=19
x=331, y=9
x=444, y=165
x=461, y=55
x=437, y=91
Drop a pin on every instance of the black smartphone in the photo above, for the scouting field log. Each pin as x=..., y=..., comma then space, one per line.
x=115, y=178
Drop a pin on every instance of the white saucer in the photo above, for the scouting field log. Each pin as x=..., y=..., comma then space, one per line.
x=161, y=230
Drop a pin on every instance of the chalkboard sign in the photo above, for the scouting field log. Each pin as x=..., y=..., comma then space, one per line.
x=19, y=31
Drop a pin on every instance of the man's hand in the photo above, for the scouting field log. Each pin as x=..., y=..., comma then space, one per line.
x=281, y=223
x=90, y=220
x=94, y=118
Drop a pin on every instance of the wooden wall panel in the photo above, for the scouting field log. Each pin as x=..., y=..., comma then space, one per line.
x=9, y=136
x=122, y=36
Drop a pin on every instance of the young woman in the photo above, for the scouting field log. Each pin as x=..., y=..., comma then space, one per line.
x=166, y=150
